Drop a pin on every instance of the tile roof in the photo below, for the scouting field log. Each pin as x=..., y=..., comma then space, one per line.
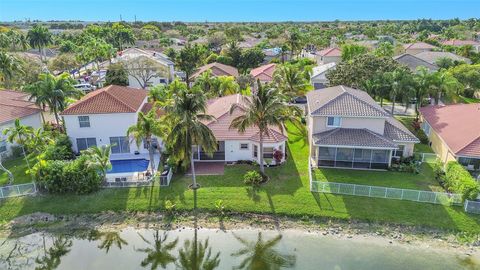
x=397, y=132
x=353, y=137
x=458, y=42
x=343, y=101
x=322, y=68
x=432, y=57
x=413, y=62
x=263, y=73
x=220, y=126
x=418, y=45
x=458, y=125
x=15, y=104
x=217, y=69
x=110, y=99
x=330, y=52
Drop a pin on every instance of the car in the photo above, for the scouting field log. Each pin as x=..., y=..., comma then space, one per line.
x=85, y=87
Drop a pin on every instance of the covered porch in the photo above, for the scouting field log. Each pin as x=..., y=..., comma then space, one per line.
x=355, y=158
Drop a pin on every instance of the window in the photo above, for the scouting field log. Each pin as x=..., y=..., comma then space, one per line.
x=84, y=143
x=268, y=152
x=3, y=146
x=119, y=145
x=333, y=121
x=244, y=146
x=255, y=151
x=426, y=128
x=399, y=152
x=84, y=121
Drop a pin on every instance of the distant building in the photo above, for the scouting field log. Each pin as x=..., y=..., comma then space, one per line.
x=329, y=55
x=217, y=69
x=418, y=47
x=263, y=73
x=433, y=57
x=458, y=43
x=413, y=62
x=319, y=79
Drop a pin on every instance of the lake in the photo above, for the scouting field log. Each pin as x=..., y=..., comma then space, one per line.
x=215, y=249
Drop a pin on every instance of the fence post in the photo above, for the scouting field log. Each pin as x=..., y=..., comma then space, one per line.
x=369, y=190
x=386, y=189
x=465, y=206
x=401, y=198
x=435, y=200
x=1, y=192
x=18, y=190
x=418, y=198
x=354, y=189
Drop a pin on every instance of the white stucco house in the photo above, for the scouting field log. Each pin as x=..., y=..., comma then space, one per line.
x=15, y=105
x=319, y=75
x=233, y=145
x=348, y=129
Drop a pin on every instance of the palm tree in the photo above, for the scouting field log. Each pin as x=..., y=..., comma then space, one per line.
x=99, y=158
x=144, y=130
x=19, y=134
x=39, y=37
x=8, y=65
x=186, y=116
x=291, y=81
x=205, y=81
x=265, y=108
x=423, y=80
x=52, y=258
x=261, y=254
x=400, y=82
x=54, y=92
x=444, y=84
x=197, y=256
x=108, y=239
x=158, y=254
x=224, y=85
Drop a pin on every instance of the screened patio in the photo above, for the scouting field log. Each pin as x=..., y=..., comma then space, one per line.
x=358, y=158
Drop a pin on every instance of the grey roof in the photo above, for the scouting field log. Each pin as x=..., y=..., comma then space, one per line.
x=432, y=57
x=322, y=68
x=396, y=131
x=353, y=137
x=412, y=62
x=343, y=101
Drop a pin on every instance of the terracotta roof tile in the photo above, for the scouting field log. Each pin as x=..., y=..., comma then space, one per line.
x=110, y=99
x=419, y=45
x=15, y=104
x=458, y=42
x=330, y=52
x=217, y=69
x=353, y=137
x=263, y=73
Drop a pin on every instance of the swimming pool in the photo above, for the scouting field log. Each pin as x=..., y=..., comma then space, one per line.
x=129, y=165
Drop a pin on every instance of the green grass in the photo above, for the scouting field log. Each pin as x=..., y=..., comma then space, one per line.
x=287, y=193
x=468, y=100
x=407, y=122
x=18, y=167
x=422, y=181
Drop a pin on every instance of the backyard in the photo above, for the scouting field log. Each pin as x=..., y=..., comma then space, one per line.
x=287, y=193
x=407, y=121
x=18, y=168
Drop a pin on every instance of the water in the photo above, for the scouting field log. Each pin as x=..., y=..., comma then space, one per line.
x=129, y=165
x=157, y=249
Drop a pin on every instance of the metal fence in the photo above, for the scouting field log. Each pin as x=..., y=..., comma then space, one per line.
x=17, y=190
x=472, y=207
x=387, y=193
x=122, y=184
x=165, y=179
x=426, y=157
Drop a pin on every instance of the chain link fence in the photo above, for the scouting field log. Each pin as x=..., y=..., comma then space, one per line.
x=426, y=157
x=472, y=207
x=17, y=190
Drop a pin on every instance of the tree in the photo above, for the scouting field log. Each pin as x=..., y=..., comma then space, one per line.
x=223, y=86
x=19, y=134
x=95, y=50
x=205, y=81
x=197, y=256
x=8, y=66
x=261, y=254
x=52, y=258
x=187, y=60
x=116, y=75
x=108, y=239
x=350, y=51
x=384, y=49
x=99, y=158
x=144, y=68
x=144, y=130
x=423, y=79
x=444, y=85
x=186, y=116
x=251, y=58
x=294, y=42
x=39, y=37
x=63, y=62
x=121, y=35
x=159, y=252
x=468, y=76
x=264, y=109
x=444, y=62
x=54, y=92
x=400, y=84
x=233, y=52
x=291, y=81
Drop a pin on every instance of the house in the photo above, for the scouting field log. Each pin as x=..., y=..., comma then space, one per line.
x=329, y=55
x=417, y=47
x=433, y=57
x=15, y=105
x=234, y=145
x=413, y=62
x=459, y=43
x=319, y=79
x=163, y=61
x=348, y=129
x=264, y=73
x=454, y=132
x=217, y=69
x=275, y=53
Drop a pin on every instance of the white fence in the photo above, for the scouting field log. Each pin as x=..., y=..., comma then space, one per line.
x=426, y=157
x=472, y=207
x=165, y=179
x=17, y=190
x=122, y=184
x=387, y=193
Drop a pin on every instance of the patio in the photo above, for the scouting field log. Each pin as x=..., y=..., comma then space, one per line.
x=208, y=168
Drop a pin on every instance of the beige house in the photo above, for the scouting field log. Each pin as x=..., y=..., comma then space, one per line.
x=454, y=132
x=348, y=129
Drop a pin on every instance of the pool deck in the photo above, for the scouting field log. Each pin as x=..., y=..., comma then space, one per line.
x=132, y=176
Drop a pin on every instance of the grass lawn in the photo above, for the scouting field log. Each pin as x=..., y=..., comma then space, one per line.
x=468, y=100
x=287, y=193
x=17, y=166
x=407, y=122
x=422, y=181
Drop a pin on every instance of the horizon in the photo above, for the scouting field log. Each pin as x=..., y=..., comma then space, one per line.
x=264, y=10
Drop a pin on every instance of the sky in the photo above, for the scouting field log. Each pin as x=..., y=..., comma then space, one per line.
x=236, y=10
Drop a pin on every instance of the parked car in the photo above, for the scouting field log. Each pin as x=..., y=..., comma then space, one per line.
x=85, y=87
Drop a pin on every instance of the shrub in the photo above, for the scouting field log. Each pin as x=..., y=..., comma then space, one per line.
x=61, y=176
x=253, y=178
x=438, y=172
x=169, y=206
x=278, y=155
x=61, y=149
x=459, y=180
x=220, y=206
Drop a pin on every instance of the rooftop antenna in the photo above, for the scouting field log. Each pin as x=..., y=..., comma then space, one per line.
x=120, y=17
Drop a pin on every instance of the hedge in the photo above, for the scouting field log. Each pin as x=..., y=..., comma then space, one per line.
x=459, y=180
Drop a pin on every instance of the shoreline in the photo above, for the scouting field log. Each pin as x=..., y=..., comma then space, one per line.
x=383, y=234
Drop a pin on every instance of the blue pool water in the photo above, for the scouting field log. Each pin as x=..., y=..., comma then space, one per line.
x=129, y=165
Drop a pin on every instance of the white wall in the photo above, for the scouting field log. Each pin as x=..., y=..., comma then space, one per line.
x=34, y=120
x=374, y=124
x=234, y=153
x=132, y=82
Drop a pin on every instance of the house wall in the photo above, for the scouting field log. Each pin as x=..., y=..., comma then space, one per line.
x=320, y=81
x=440, y=148
x=234, y=153
x=102, y=127
x=328, y=59
x=132, y=82
x=319, y=124
x=34, y=121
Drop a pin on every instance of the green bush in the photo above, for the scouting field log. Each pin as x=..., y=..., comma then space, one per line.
x=253, y=178
x=60, y=150
x=458, y=180
x=62, y=176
